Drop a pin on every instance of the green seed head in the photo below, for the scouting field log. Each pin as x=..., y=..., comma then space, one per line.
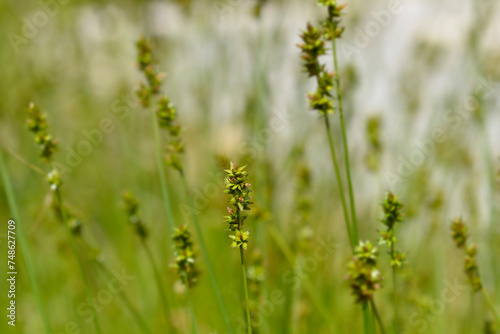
x=37, y=123
x=131, y=208
x=185, y=259
x=239, y=190
x=363, y=275
x=459, y=232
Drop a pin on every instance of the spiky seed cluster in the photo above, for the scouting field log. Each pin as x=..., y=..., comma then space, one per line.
x=37, y=123
x=131, y=208
x=363, y=274
x=392, y=211
x=167, y=115
x=185, y=257
x=147, y=67
x=239, y=190
x=459, y=233
x=460, y=236
x=313, y=46
x=392, y=215
x=321, y=99
x=166, y=112
x=331, y=25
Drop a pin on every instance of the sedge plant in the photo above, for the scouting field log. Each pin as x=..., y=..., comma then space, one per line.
x=364, y=278
x=314, y=46
x=164, y=117
x=185, y=265
x=37, y=123
x=239, y=190
x=392, y=215
x=460, y=235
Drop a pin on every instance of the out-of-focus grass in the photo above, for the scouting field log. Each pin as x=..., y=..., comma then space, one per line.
x=229, y=77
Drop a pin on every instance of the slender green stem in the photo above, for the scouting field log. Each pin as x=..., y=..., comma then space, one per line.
x=138, y=318
x=344, y=139
x=159, y=282
x=244, y=277
x=245, y=288
x=491, y=306
x=395, y=297
x=205, y=253
x=23, y=243
x=366, y=319
x=78, y=260
x=377, y=316
x=339, y=181
x=194, y=327
x=163, y=180
x=394, y=292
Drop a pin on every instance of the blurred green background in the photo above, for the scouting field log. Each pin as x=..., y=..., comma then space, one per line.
x=420, y=84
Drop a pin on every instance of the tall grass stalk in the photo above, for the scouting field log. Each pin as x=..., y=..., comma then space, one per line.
x=395, y=293
x=244, y=278
x=161, y=171
x=353, y=241
x=30, y=269
x=194, y=327
x=72, y=241
x=159, y=282
x=135, y=314
x=355, y=234
x=204, y=251
x=344, y=139
x=366, y=319
x=377, y=316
